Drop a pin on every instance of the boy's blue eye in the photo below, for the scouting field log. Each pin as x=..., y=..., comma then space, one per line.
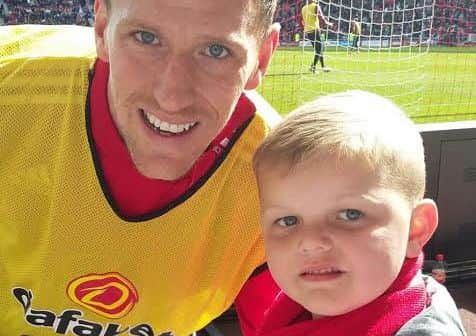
x=146, y=37
x=350, y=214
x=287, y=221
x=216, y=51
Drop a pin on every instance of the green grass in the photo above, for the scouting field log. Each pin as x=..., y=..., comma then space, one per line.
x=434, y=86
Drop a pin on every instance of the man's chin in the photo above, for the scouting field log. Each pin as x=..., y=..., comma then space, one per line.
x=163, y=168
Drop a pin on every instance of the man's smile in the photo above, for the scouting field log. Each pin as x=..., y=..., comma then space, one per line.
x=165, y=127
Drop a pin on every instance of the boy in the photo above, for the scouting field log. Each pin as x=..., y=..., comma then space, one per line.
x=341, y=184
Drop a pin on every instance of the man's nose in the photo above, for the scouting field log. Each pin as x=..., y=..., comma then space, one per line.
x=314, y=240
x=174, y=88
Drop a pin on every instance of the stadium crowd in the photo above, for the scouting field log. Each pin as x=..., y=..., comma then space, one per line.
x=453, y=19
x=77, y=12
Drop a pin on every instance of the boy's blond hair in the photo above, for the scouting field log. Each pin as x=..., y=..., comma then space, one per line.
x=354, y=127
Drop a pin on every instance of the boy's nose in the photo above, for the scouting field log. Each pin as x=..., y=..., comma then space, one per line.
x=314, y=241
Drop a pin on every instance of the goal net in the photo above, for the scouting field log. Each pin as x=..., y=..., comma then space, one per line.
x=374, y=45
x=419, y=53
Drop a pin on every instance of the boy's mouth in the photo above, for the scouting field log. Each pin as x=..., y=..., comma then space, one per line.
x=315, y=274
x=166, y=128
x=316, y=271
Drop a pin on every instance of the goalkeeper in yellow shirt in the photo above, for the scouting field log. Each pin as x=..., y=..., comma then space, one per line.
x=311, y=13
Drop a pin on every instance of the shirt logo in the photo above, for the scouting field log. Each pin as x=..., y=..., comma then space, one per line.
x=109, y=295
x=71, y=321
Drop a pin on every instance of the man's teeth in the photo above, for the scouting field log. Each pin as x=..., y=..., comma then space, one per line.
x=168, y=127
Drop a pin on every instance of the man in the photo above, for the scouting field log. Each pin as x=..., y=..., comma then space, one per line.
x=127, y=202
x=311, y=13
x=355, y=31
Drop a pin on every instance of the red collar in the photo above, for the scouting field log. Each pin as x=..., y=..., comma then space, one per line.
x=131, y=193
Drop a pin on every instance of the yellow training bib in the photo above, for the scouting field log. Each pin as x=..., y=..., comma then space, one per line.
x=68, y=263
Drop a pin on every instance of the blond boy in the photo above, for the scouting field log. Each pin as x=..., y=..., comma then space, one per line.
x=341, y=183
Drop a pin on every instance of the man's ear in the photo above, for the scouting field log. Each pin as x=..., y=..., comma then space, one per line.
x=100, y=25
x=423, y=224
x=268, y=47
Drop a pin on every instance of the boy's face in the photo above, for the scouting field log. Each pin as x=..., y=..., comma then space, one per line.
x=335, y=239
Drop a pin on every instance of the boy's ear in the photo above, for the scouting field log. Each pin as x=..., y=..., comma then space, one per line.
x=268, y=47
x=423, y=224
x=100, y=24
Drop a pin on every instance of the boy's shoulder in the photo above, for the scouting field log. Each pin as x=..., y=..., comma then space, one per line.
x=441, y=317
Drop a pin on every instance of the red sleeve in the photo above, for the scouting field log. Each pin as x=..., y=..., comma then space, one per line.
x=254, y=299
x=264, y=309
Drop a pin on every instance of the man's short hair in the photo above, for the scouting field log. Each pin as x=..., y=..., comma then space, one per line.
x=260, y=22
x=353, y=127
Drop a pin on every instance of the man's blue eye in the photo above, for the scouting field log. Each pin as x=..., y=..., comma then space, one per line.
x=350, y=214
x=287, y=221
x=146, y=37
x=216, y=51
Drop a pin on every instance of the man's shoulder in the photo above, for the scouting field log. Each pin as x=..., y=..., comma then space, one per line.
x=251, y=134
x=39, y=41
x=441, y=317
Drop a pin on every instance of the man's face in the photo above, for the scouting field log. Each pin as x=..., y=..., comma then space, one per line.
x=335, y=239
x=177, y=69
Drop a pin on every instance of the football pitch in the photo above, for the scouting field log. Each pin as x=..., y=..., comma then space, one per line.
x=432, y=86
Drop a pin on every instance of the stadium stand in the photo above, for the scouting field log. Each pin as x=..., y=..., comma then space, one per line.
x=454, y=21
x=77, y=12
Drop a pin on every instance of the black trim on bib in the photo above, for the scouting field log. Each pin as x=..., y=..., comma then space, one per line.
x=182, y=198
